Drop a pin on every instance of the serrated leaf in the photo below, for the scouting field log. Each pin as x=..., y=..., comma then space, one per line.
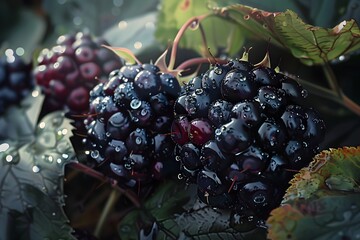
x=323, y=199
x=219, y=32
x=311, y=44
x=204, y=222
x=42, y=219
x=39, y=164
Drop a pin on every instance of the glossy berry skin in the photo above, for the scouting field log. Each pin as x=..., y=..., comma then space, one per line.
x=129, y=131
x=256, y=136
x=16, y=80
x=69, y=70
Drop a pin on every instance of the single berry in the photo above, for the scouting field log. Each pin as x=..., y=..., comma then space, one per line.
x=130, y=128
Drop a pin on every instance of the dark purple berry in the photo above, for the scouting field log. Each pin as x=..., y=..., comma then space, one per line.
x=220, y=112
x=238, y=85
x=233, y=137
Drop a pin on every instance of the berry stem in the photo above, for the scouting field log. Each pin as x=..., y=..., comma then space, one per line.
x=190, y=23
x=331, y=79
x=91, y=172
x=199, y=60
x=114, y=196
x=330, y=95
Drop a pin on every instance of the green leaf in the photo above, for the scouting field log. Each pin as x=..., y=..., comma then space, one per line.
x=42, y=219
x=218, y=32
x=323, y=199
x=38, y=164
x=311, y=44
x=168, y=199
x=204, y=222
x=125, y=54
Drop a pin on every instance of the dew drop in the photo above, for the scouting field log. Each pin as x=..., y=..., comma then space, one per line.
x=94, y=154
x=194, y=25
x=4, y=147
x=9, y=158
x=199, y=91
x=304, y=93
x=135, y=103
x=138, y=140
x=35, y=169
x=246, y=108
x=180, y=176
x=144, y=112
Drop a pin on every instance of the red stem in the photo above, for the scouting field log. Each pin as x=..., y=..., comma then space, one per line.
x=180, y=33
x=91, y=172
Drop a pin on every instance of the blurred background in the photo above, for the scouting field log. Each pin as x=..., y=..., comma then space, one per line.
x=27, y=26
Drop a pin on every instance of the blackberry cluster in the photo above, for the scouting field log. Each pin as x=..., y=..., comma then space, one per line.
x=16, y=80
x=69, y=70
x=240, y=135
x=129, y=123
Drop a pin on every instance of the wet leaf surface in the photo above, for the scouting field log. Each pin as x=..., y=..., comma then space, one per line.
x=31, y=180
x=323, y=199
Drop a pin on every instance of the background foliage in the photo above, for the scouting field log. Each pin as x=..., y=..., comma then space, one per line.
x=317, y=42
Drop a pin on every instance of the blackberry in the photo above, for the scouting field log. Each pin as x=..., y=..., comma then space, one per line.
x=129, y=124
x=70, y=69
x=16, y=79
x=241, y=133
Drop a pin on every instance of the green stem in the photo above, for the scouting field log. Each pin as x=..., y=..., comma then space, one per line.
x=330, y=95
x=114, y=196
x=331, y=79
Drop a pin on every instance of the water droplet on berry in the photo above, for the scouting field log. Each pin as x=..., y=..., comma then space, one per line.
x=304, y=93
x=177, y=158
x=35, y=169
x=180, y=176
x=199, y=91
x=135, y=103
x=138, y=140
x=144, y=112
x=95, y=154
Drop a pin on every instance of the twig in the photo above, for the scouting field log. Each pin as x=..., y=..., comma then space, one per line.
x=179, y=35
x=331, y=79
x=91, y=172
x=114, y=196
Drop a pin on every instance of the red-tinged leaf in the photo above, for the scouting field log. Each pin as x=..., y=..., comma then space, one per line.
x=311, y=44
x=323, y=199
